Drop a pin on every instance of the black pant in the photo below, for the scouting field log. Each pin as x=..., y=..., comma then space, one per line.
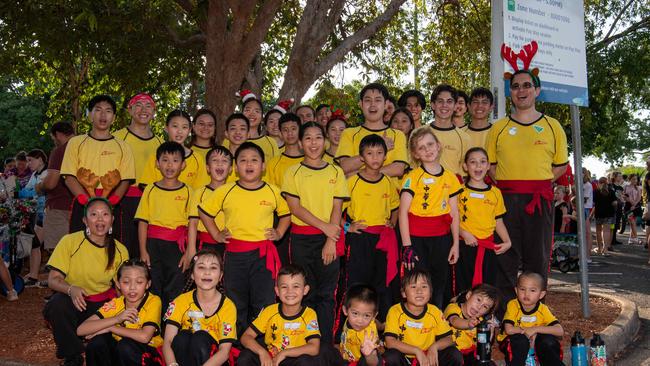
x=249, y=284
x=193, y=349
x=64, y=319
x=104, y=350
x=547, y=350
x=324, y=358
x=433, y=253
x=449, y=356
x=619, y=221
x=465, y=267
x=305, y=251
x=127, y=227
x=167, y=280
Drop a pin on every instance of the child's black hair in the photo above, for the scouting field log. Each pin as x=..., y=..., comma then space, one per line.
x=170, y=148
x=372, y=140
x=321, y=106
x=486, y=290
x=403, y=99
x=178, y=113
x=534, y=276
x=288, y=117
x=292, y=270
x=134, y=263
x=253, y=100
x=374, y=86
x=247, y=145
x=481, y=92
x=218, y=149
x=62, y=127
x=406, y=112
x=412, y=277
x=310, y=124
x=473, y=150
x=444, y=88
x=363, y=293
x=462, y=94
x=101, y=98
x=235, y=116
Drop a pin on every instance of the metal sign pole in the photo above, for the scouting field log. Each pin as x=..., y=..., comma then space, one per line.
x=582, y=230
x=496, y=63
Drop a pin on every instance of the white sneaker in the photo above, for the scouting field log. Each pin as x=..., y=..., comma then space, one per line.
x=12, y=295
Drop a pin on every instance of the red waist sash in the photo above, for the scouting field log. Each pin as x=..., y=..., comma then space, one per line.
x=310, y=230
x=483, y=245
x=102, y=296
x=429, y=225
x=266, y=248
x=538, y=188
x=205, y=237
x=178, y=235
x=388, y=244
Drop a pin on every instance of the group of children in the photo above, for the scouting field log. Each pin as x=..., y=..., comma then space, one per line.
x=243, y=211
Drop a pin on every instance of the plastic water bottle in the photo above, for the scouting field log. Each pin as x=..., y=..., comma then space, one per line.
x=578, y=350
x=530, y=359
x=483, y=342
x=598, y=352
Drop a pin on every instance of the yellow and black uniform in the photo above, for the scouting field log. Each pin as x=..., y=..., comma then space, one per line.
x=266, y=143
x=429, y=222
x=352, y=340
x=143, y=149
x=194, y=175
x=515, y=347
x=166, y=212
x=478, y=209
x=465, y=339
x=316, y=188
x=477, y=136
x=351, y=137
x=418, y=330
x=525, y=155
x=277, y=166
x=252, y=260
x=284, y=332
x=201, y=151
x=329, y=158
x=202, y=235
x=372, y=253
x=83, y=264
x=454, y=143
x=102, y=349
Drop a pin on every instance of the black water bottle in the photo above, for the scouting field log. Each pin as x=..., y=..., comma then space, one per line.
x=483, y=342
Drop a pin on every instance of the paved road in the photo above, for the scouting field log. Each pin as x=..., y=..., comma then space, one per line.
x=625, y=273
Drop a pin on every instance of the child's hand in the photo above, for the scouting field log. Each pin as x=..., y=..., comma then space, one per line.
x=332, y=231
x=432, y=355
x=502, y=248
x=356, y=226
x=265, y=359
x=223, y=236
x=144, y=256
x=529, y=332
x=422, y=358
x=103, y=331
x=453, y=255
x=468, y=238
x=272, y=234
x=390, y=143
x=128, y=315
x=328, y=254
x=369, y=344
x=184, y=263
x=472, y=323
x=279, y=358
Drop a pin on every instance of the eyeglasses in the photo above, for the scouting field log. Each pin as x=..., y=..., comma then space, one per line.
x=524, y=86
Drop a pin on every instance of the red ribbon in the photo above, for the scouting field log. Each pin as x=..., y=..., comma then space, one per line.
x=388, y=244
x=427, y=226
x=179, y=235
x=266, y=248
x=538, y=188
x=310, y=230
x=483, y=244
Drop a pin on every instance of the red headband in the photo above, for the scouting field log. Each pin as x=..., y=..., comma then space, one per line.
x=142, y=97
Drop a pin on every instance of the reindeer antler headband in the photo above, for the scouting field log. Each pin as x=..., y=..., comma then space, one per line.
x=526, y=55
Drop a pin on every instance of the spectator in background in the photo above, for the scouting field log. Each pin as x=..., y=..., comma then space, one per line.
x=23, y=173
x=632, y=195
x=588, y=196
x=8, y=179
x=323, y=114
x=59, y=198
x=616, y=185
x=605, y=204
x=37, y=162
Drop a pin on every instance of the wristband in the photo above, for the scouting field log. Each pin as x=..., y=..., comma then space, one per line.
x=113, y=199
x=82, y=199
x=409, y=257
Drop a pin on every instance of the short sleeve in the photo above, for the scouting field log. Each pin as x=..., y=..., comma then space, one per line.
x=393, y=195
x=228, y=324
x=392, y=322
x=108, y=310
x=56, y=159
x=150, y=173
x=60, y=258
x=491, y=145
x=260, y=323
x=501, y=207
x=70, y=162
x=212, y=204
x=143, y=212
x=442, y=326
x=561, y=156
x=289, y=183
x=174, y=313
x=193, y=210
x=282, y=208
x=202, y=177
x=152, y=314
x=408, y=183
x=127, y=164
x=312, y=327
x=549, y=318
x=400, y=153
x=454, y=185
x=511, y=313
x=341, y=186
x=452, y=310
x=346, y=148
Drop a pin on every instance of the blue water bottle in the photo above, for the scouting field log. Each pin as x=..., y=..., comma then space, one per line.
x=530, y=359
x=578, y=350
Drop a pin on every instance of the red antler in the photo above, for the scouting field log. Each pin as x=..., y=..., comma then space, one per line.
x=527, y=54
x=509, y=55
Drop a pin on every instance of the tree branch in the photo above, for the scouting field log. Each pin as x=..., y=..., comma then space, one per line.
x=263, y=20
x=198, y=38
x=641, y=24
x=618, y=17
x=186, y=5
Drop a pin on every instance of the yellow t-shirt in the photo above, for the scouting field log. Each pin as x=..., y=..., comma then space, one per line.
x=477, y=136
x=148, y=314
x=247, y=212
x=464, y=338
x=142, y=148
x=199, y=196
x=527, y=151
x=351, y=341
x=431, y=192
x=268, y=145
x=479, y=210
x=165, y=207
x=282, y=332
x=194, y=175
x=420, y=330
x=83, y=263
x=201, y=151
x=327, y=157
x=185, y=313
x=277, y=166
x=540, y=316
x=372, y=201
x=316, y=188
x=454, y=143
x=351, y=137
x=100, y=156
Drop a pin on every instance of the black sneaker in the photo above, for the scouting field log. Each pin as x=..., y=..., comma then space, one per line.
x=31, y=282
x=76, y=360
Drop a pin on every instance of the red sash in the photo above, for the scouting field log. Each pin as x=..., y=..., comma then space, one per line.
x=266, y=248
x=388, y=244
x=205, y=238
x=310, y=230
x=133, y=191
x=483, y=245
x=178, y=235
x=538, y=188
x=102, y=296
x=429, y=225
